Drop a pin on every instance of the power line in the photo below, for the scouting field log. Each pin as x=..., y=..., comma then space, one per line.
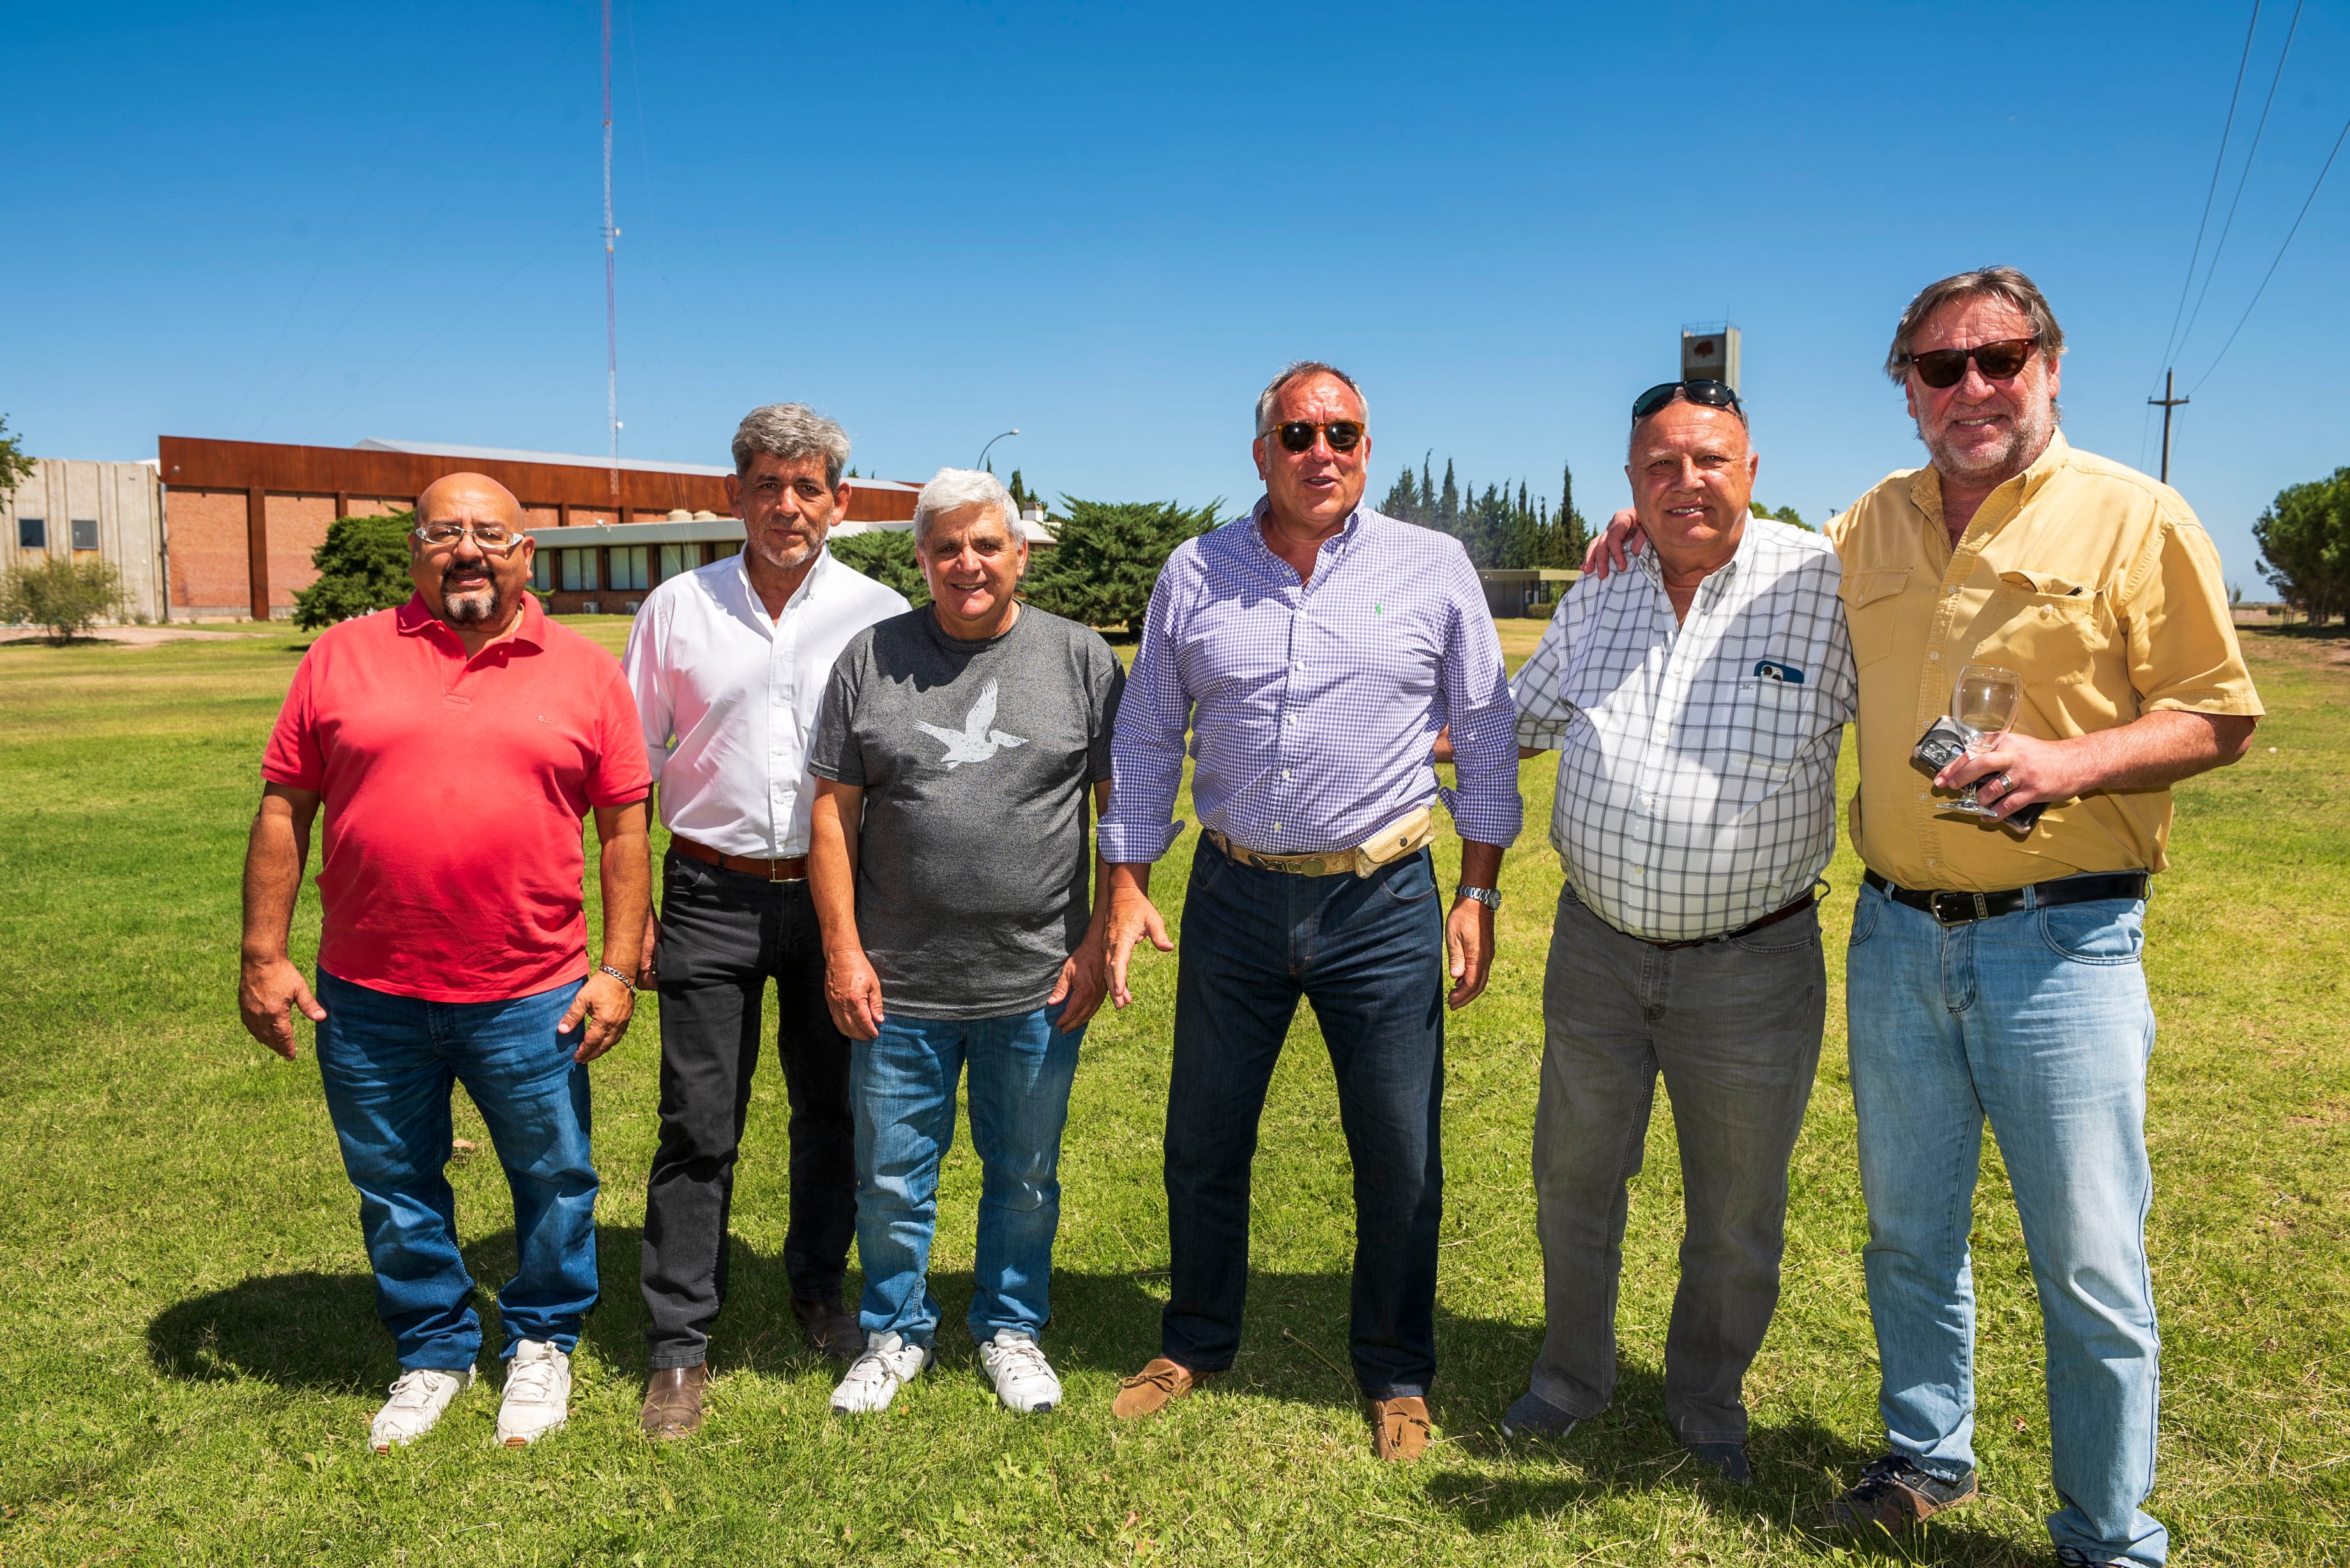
x=2231, y=343
x=2227, y=128
x=2242, y=179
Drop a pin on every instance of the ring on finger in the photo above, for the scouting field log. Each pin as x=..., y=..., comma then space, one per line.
x=2006, y=784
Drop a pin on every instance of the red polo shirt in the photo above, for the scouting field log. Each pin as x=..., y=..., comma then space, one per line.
x=454, y=792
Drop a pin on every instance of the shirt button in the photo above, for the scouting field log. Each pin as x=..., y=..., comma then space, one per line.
x=1952, y=591
x=1933, y=656
x=1284, y=772
x=1276, y=828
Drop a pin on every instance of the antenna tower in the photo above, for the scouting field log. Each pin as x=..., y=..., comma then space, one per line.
x=611, y=308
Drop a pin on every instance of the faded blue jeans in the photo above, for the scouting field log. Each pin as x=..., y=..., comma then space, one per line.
x=902, y=1088
x=2038, y=1022
x=388, y=1063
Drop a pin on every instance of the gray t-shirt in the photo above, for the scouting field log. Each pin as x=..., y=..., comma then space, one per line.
x=977, y=760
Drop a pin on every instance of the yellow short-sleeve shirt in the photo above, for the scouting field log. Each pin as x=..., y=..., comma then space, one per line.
x=2094, y=583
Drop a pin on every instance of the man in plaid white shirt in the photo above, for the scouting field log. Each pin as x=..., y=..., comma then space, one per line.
x=1697, y=704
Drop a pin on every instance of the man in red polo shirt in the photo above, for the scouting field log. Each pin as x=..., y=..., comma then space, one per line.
x=456, y=743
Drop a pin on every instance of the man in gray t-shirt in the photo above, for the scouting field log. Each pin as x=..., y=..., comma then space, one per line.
x=949, y=861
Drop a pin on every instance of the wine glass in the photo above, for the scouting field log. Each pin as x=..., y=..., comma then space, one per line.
x=1985, y=703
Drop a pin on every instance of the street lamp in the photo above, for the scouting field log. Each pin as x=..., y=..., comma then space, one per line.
x=991, y=441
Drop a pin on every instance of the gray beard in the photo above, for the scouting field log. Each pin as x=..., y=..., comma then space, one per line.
x=475, y=608
x=785, y=561
x=2027, y=440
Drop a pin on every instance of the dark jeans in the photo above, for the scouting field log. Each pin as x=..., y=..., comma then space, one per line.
x=388, y=1063
x=1734, y=1029
x=1368, y=953
x=723, y=935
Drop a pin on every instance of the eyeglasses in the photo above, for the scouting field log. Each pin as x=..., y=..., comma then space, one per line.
x=494, y=538
x=1297, y=435
x=1940, y=367
x=1705, y=391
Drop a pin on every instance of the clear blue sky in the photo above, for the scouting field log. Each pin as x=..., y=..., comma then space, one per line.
x=1108, y=225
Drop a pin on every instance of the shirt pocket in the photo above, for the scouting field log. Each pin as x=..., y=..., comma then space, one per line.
x=2051, y=632
x=1770, y=722
x=1872, y=604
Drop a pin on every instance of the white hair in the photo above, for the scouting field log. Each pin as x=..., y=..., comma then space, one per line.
x=951, y=489
x=788, y=433
x=1299, y=371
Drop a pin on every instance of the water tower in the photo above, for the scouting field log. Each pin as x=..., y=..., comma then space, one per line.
x=1710, y=352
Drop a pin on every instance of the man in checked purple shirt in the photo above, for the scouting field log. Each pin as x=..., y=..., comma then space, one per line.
x=1314, y=649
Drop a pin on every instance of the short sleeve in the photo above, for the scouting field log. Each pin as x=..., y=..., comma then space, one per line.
x=834, y=753
x=622, y=776
x=1544, y=714
x=294, y=757
x=2183, y=651
x=1106, y=685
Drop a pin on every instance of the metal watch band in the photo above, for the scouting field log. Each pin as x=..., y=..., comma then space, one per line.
x=1489, y=896
x=616, y=974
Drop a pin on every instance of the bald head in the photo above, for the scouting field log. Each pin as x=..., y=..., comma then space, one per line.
x=477, y=592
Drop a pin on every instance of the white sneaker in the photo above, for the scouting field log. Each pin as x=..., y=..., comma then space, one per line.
x=415, y=1406
x=538, y=1394
x=874, y=1379
x=1023, y=1378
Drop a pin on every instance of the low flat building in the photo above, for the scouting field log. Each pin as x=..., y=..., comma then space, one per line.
x=70, y=510
x=242, y=518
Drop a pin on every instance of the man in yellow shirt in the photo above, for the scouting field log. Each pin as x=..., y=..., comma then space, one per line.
x=1994, y=971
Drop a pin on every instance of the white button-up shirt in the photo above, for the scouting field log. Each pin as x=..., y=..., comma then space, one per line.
x=729, y=697
x=1697, y=759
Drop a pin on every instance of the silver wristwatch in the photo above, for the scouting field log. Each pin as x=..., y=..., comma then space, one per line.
x=1489, y=896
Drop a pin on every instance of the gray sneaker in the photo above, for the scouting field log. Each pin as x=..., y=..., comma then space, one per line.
x=1534, y=1416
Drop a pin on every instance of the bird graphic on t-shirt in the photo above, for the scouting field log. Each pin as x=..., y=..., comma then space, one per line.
x=974, y=743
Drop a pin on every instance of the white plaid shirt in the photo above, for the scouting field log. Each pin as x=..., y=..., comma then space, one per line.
x=1697, y=765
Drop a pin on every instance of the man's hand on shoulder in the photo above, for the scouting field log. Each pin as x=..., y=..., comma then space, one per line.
x=269, y=989
x=1616, y=545
x=1132, y=916
x=606, y=1005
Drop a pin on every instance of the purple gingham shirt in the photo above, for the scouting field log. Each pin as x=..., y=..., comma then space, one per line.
x=1313, y=706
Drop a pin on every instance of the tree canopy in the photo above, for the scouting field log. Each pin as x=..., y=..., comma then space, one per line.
x=362, y=568
x=2304, y=540
x=16, y=467
x=888, y=557
x=1109, y=557
x=1499, y=527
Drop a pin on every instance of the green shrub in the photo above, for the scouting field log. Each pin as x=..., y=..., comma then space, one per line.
x=62, y=596
x=362, y=568
x=888, y=557
x=1110, y=557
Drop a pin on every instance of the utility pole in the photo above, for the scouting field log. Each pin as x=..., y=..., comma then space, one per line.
x=2165, y=403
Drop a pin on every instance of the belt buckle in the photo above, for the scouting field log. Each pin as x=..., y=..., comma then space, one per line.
x=1970, y=906
x=775, y=872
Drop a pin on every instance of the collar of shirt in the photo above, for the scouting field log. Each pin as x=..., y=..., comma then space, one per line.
x=1330, y=550
x=2000, y=505
x=415, y=620
x=752, y=609
x=1717, y=582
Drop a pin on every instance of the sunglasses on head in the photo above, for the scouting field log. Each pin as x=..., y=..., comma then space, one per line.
x=1941, y=368
x=1705, y=391
x=1297, y=435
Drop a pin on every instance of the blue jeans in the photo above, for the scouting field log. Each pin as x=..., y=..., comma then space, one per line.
x=902, y=1088
x=2038, y=1021
x=1368, y=953
x=388, y=1063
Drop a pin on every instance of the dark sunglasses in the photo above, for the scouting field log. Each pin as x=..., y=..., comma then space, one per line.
x=1297, y=435
x=1705, y=391
x=1940, y=367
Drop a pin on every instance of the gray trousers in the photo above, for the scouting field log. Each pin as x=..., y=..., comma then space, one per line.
x=1734, y=1027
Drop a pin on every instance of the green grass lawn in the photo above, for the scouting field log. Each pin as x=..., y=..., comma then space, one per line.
x=189, y=1353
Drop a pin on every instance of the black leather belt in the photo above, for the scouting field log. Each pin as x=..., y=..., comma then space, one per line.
x=1959, y=908
x=1772, y=918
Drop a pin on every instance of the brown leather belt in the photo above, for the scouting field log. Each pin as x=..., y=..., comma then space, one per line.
x=794, y=869
x=1789, y=913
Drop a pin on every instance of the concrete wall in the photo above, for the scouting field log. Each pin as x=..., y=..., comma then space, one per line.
x=121, y=498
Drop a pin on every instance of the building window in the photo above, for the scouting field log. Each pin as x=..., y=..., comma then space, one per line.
x=579, y=571
x=628, y=566
x=85, y=533
x=32, y=533
x=676, y=560
x=542, y=571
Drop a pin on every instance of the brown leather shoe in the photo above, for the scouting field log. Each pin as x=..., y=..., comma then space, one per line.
x=1154, y=1388
x=673, y=1402
x=1401, y=1428
x=829, y=1328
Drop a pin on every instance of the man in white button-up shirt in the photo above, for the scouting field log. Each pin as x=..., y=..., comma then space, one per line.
x=1697, y=704
x=728, y=665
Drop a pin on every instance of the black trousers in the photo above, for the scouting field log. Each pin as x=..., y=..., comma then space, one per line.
x=723, y=935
